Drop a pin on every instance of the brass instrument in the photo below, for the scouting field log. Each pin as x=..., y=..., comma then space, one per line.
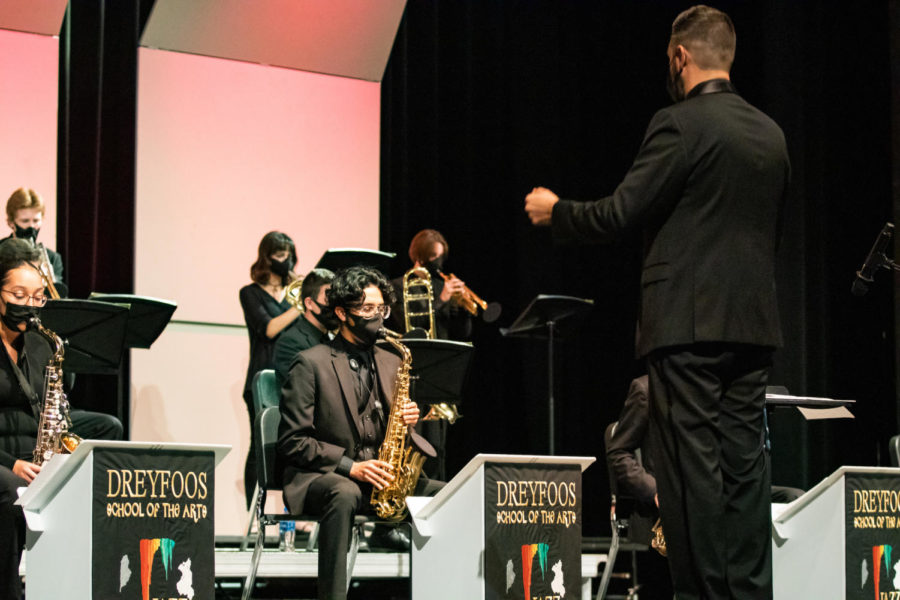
x=467, y=299
x=659, y=540
x=53, y=428
x=397, y=448
x=419, y=277
x=292, y=294
x=417, y=288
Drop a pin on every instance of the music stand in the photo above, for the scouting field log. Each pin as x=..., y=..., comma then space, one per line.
x=94, y=333
x=147, y=317
x=540, y=320
x=439, y=369
x=335, y=259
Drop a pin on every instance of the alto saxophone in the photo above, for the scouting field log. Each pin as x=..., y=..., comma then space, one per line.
x=398, y=449
x=53, y=428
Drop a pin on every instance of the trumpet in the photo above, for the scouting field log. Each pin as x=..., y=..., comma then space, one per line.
x=467, y=299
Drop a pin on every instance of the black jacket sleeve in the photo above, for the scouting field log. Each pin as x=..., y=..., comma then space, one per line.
x=298, y=438
x=629, y=436
x=649, y=191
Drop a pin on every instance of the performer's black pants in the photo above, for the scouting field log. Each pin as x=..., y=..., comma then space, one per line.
x=712, y=471
x=12, y=535
x=337, y=499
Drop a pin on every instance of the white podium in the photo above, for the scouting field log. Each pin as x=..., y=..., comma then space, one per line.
x=835, y=541
x=140, y=511
x=504, y=525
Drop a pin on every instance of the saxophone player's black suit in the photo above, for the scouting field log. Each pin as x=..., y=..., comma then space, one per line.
x=330, y=418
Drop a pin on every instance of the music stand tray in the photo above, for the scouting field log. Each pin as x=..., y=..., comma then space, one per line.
x=335, y=259
x=439, y=369
x=94, y=333
x=147, y=317
x=543, y=310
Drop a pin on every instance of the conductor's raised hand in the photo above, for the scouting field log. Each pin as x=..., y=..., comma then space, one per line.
x=376, y=472
x=539, y=205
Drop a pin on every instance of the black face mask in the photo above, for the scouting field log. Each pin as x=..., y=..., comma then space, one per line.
x=282, y=267
x=674, y=84
x=18, y=313
x=326, y=317
x=435, y=265
x=28, y=233
x=365, y=330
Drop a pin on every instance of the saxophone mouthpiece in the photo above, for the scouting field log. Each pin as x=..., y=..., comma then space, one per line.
x=384, y=332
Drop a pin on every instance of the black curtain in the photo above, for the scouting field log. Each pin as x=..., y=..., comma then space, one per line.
x=481, y=101
x=96, y=165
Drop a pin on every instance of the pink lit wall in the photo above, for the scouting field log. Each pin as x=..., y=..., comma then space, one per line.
x=228, y=151
x=28, y=117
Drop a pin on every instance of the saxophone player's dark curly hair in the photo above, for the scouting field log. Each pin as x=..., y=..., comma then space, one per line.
x=348, y=287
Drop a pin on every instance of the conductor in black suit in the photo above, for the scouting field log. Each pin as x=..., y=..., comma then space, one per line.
x=707, y=190
x=334, y=408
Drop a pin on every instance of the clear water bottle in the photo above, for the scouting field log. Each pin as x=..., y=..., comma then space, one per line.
x=286, y=531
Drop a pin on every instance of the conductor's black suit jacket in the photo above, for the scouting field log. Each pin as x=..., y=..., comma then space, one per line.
x=320, y=426
x=707, y=189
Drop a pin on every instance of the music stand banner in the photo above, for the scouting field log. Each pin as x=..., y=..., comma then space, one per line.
x=532, y=545
x=872, y=505
x=153, y=524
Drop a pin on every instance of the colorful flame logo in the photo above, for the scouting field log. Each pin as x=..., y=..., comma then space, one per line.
x=148, y=550
x=528, y=552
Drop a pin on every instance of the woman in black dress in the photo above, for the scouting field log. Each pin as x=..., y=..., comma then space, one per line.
x=266, y=313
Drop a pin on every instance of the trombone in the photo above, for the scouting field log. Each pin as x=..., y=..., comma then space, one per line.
x=417, y=288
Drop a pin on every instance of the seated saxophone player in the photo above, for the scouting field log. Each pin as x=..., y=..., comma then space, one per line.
x=312, y=327
x=335, y=405
x=24, y=215
x=24, y=356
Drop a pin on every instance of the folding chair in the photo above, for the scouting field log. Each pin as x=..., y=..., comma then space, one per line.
x=624, y=523
x=266, y=427
x=264, y=389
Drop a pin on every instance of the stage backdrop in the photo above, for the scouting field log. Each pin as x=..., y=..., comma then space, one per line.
x=29, y=59
x=228, y=150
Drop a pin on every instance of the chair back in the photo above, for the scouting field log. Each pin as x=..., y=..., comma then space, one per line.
x=266, y=426
x=265, y=390
x=894, y=450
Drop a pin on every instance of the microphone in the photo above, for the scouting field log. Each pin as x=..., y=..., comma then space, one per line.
x=873, y=262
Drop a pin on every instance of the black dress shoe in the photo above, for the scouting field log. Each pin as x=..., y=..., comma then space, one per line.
x=392, y=539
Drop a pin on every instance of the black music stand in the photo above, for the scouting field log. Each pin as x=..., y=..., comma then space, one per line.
x=540, y=320
x=439, y=369
x=94, y=333
x=147, y=317
x=335, y=259
x=439, y=372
